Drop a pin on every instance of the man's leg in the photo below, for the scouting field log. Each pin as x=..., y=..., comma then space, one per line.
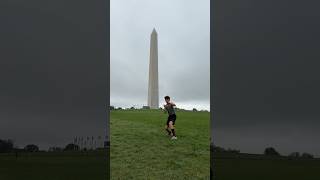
x=168, y=130
x=172, y=128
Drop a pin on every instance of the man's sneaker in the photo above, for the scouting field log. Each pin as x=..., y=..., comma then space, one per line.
x=174, y=137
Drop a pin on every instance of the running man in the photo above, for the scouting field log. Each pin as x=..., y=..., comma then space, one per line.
x=169, y=106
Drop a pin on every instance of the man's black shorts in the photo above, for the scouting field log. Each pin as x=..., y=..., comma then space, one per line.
x=172, y=118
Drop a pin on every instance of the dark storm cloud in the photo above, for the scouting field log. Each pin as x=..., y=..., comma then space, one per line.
x=266, y=60
x=53, y=71
x=183, y=48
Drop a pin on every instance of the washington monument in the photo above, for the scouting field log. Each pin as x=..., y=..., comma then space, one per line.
x=153, y=88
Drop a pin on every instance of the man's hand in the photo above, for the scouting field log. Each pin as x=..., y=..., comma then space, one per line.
x=172, y=104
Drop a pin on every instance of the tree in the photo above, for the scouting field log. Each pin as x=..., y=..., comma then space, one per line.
x=31, y=148
x=71, y=147
x=194, y=110
x=271, y=151
x=217, y=149
x=307, y=156
x=6, y=146
x=111, y=107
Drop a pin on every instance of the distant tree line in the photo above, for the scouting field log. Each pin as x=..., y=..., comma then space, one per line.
x=220, y=149
x=303, y=155
x=147, y=107
x=269, y=151
x=7, y=146
x=272, y=151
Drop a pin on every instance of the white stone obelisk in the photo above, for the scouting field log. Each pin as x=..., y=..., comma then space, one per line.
x=153, y=89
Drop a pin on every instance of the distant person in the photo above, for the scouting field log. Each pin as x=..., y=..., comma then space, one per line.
x=169, y=107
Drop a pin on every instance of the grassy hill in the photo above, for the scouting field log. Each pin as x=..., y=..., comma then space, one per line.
x=251, y=167
x=54, y=166
x=141, y=149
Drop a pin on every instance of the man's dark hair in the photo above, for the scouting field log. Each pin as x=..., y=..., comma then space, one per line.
x=166, y=97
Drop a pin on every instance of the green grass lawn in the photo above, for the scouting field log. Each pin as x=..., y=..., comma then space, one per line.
x=141, y=149
x=54, y=166
x=266, y=169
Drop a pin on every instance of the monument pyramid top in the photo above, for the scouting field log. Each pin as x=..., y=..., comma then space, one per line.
x=154, y=31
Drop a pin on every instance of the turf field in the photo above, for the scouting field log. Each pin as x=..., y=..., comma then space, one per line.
x=141, y=149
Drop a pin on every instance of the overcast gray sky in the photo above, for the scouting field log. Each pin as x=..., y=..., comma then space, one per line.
x=266, y=75
x=266, y=68
x=183, y=28
x=53, y=71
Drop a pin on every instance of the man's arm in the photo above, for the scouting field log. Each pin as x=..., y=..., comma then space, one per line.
x=173, y=104
x=164, y=109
